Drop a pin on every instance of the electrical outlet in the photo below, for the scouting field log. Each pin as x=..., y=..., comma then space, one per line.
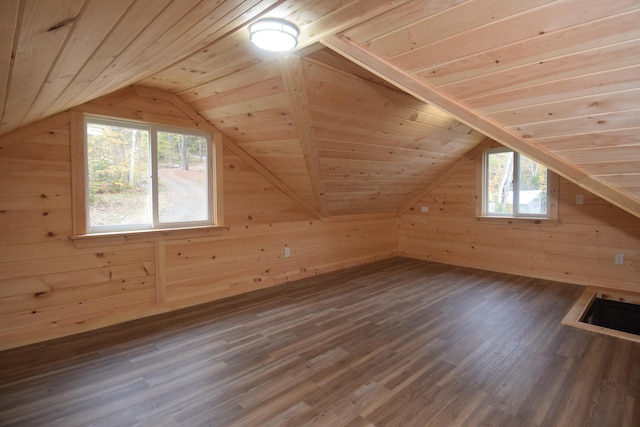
x=287, y=251
x=579, y=199
x=424, y=209
x=619, y=259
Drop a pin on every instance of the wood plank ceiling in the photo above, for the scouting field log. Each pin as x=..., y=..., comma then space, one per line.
x=349, y=122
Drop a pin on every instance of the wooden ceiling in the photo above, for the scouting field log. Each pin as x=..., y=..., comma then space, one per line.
x=380, y=99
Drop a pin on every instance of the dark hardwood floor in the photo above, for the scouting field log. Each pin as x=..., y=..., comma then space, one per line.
x=399, y=342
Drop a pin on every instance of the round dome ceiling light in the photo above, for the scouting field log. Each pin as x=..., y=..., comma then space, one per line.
x=276, y=35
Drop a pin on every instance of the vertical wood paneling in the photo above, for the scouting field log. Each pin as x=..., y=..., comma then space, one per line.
x=161, y=283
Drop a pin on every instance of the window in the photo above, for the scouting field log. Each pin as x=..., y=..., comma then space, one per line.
x=143, y=176
x=515, y=186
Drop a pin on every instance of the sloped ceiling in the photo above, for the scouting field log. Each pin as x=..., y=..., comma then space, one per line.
x=381, y=97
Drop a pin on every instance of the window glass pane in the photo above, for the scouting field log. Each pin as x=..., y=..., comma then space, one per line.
x=532, y=194
x=500, y=183
x=118, y=176
x=183, y=194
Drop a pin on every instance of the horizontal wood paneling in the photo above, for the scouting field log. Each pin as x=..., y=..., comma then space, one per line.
x=322, y=119
x=367, y=133
x=558, y=77
x=579, y=249
x=50, y=288
x=561, y=32
x=285, y=159
x=395, y=343
x=535, y=74
x=548, y=73
x=199, y=269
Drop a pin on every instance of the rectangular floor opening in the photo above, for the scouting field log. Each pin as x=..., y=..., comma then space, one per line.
x=621, y=316
x=611, y=313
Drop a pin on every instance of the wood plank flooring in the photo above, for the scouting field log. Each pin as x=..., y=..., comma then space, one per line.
x=396, y=343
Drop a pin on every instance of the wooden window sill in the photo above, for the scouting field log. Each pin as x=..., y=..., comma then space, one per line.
x=145, y=236
x=519, y=220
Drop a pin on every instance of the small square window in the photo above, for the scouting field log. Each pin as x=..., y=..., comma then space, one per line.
x=515, y=186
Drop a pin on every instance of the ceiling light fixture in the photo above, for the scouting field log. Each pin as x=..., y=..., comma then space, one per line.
x=276, y=35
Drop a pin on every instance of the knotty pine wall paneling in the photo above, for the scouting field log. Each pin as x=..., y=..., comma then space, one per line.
x=580, y=248
x=51, y=287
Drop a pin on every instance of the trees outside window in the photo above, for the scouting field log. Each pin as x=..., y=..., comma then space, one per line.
x=143, y=176
x=514, y=185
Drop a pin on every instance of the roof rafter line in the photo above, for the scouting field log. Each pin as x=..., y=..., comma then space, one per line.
x=481, y=123
x=235, y=148
x=293, y=79
x=269, y=176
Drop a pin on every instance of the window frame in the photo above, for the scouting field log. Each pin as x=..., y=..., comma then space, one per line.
x=483, y=200
x=79, y=175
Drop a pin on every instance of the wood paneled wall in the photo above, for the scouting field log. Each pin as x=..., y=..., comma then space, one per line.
x=579, y=249
x=50, y=287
